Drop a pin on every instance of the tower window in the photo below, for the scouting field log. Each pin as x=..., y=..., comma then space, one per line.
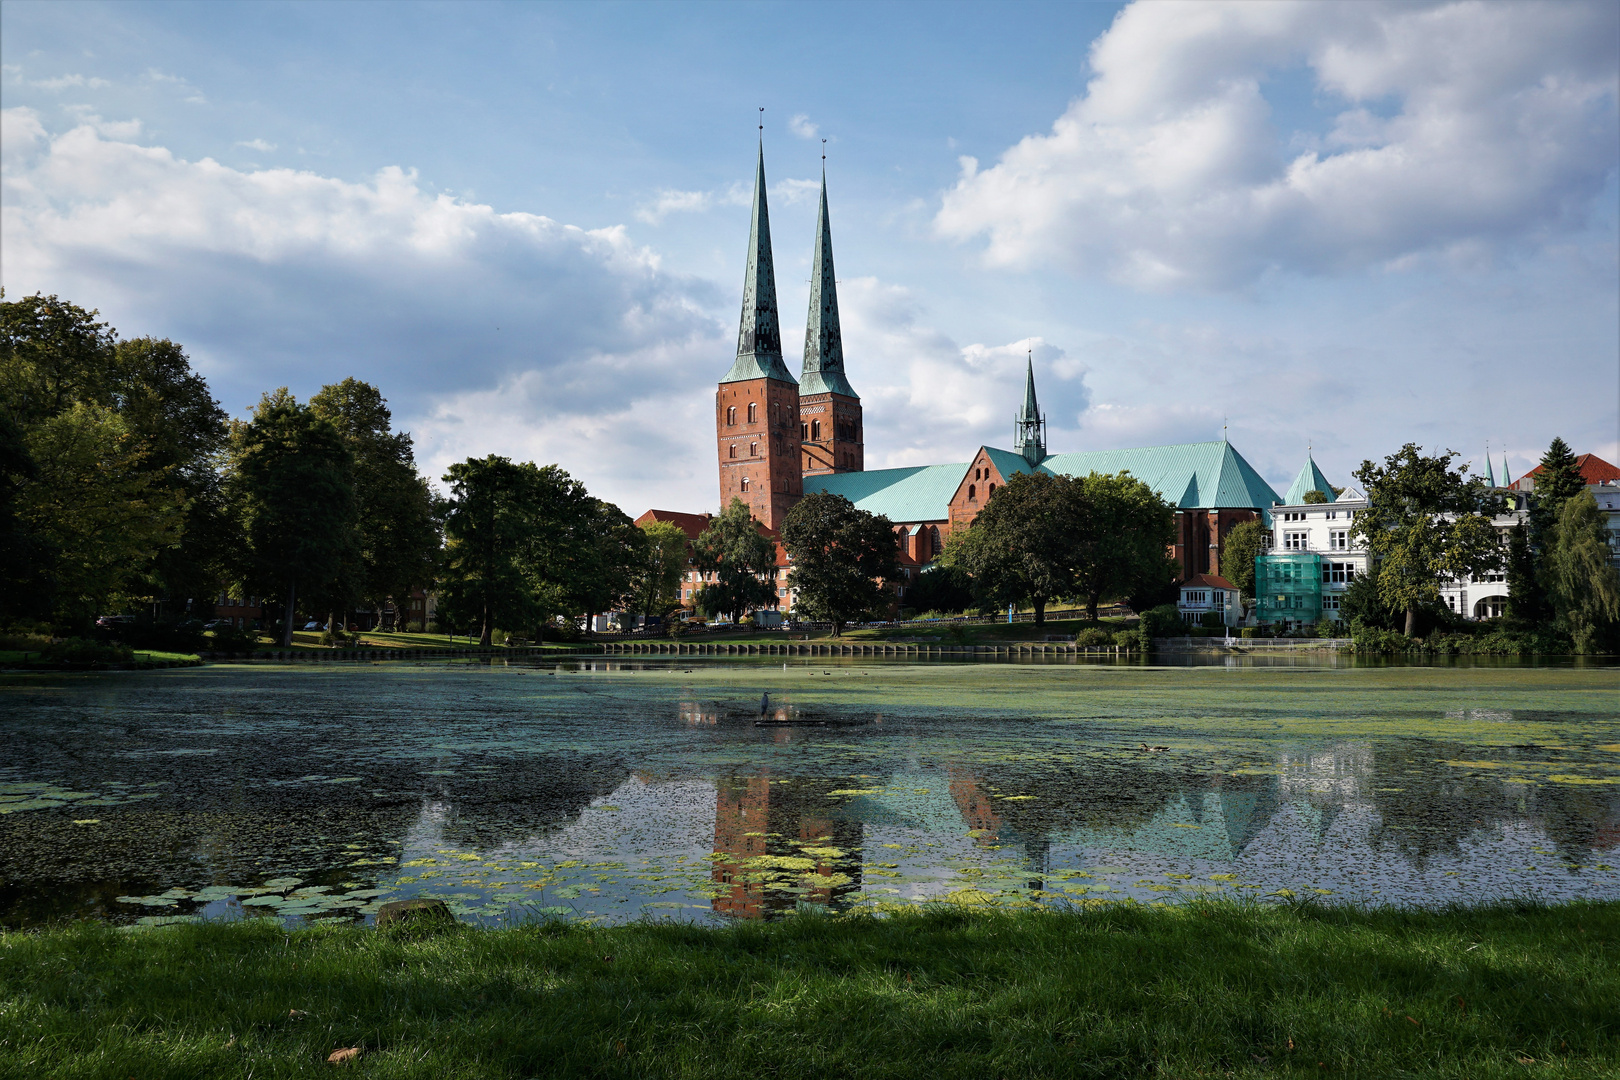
x=753, y=412
x=753, y=449
x=731, y=414
x=733, y=449
x=804, y=431
x=815, y=431
x=745, y=483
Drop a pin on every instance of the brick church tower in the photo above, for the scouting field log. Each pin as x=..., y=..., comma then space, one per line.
x=830, y=425
x=756, y=407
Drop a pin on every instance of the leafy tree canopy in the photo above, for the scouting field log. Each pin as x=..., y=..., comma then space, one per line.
x=1245, y=543
x=291, y=486
x=658, y=578
x=1425, y=523
x=1018, y=548
x=1584, y=586
x=842, y=558
x=1122, y=531
x=741, y=558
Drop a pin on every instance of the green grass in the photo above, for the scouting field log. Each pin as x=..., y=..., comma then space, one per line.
x=1212, y=990
x=145, y=655
x=310, y=641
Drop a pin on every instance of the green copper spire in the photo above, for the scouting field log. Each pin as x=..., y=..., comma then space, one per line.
x=759, y=338
x=1490, y=473
x=823, y=341
x=1029, y=436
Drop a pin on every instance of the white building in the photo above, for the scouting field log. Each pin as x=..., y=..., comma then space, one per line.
x=1314, y=556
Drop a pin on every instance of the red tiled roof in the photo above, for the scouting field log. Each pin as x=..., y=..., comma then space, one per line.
x=1206, y=581
x=1593, y=470
x=691, y=524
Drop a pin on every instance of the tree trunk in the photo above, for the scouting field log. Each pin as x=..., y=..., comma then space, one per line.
x=287, y=615
x=1411, y=622
x=486, y=633
x=1091, y=605
x=332, y=626
x=1040, y=611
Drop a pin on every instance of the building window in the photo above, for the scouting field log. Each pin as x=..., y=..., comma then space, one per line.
x=745, y=483
x=973, y=493
x=1338, y=573
x=815, y=431
x=1294, y=541
x=992, y=491
x=753, y=449
x=1330, y=602
x=804, y=431
x=1339, y=540
x=1196, y=596
x=731, y=415
x=753, y=413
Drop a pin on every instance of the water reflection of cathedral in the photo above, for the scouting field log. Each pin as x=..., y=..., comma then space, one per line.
x=777, y=842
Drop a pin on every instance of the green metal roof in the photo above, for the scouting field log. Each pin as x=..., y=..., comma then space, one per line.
x=1310, y=478
x=916, y=494
x=1192, y=476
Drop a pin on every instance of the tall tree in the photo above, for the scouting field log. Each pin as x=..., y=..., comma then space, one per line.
x=1021, y=547
x=1245, y=543
x=664, y=560
x=291, y=485
x=1559, y=479
x=489, y=521
x=1527, y=599
x=100, y=515
x=25, y=559
x=742, y=560
x=1425, y=524
x=399, y=529
x=1585, y=588
x=1121, y=531
x=53, y=354
x=842, y=558
x=171, y=411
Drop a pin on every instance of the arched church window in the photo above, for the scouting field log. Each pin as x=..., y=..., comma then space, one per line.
x=815, y=431
x=973, y=493
x=804, y=431
x=731, y=414
x=992, y=491
x=753, y=449
x=753, y=413
x=934, y=546
x=733, y=449
x=745, y=483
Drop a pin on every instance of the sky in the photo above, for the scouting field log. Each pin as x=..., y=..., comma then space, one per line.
x=1327, y=228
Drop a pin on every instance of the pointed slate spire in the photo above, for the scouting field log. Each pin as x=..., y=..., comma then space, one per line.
x=1030, y=438
x=823, y=340
x=1310, y=478
x=1507, y=477
x=1490, y=472
x=759, y=337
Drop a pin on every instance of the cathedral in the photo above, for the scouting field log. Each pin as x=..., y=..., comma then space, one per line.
x=779, y=438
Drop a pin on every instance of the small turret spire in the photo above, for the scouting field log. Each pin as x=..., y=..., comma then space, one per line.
x=1030, y=427
x=759, y=335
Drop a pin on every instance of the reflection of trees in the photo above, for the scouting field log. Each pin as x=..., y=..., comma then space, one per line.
x=772, y=837
x=490, y=803
x=1427, y=807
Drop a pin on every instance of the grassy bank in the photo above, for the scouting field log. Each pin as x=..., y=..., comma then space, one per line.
x=1224, y=990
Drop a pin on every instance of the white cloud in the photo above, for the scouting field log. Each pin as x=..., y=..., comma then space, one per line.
x=801, y=126
x=928, y=399
x=63, y=82
x=258, y=144
x=489, y=332
x=1462, y=127
x=670, y=201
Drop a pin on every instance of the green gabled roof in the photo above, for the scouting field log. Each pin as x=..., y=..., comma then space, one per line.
x=1310, y=478
x=922, y=493
x=1192, y=476
x=1007, y=462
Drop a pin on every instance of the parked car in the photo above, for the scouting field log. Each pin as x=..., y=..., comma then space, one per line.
x=313, y=625
x=113, y=622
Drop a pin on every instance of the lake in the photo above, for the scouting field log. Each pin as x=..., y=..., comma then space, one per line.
x=627, y=789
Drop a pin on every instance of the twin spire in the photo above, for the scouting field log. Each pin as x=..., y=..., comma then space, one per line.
x=759, y=336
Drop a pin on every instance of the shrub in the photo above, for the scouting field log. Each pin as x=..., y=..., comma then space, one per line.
x=1133, y=640
x=1212, y=619
x=1162, y=621
x=1250, y=632
x=24, y=641
x=234, y=639
x=1327, y=628
x=563, y=629
x=413, y=627
x=1093, y=635
x=82, y=651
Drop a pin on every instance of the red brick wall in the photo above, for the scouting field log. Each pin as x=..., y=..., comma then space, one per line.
x=762, y=450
